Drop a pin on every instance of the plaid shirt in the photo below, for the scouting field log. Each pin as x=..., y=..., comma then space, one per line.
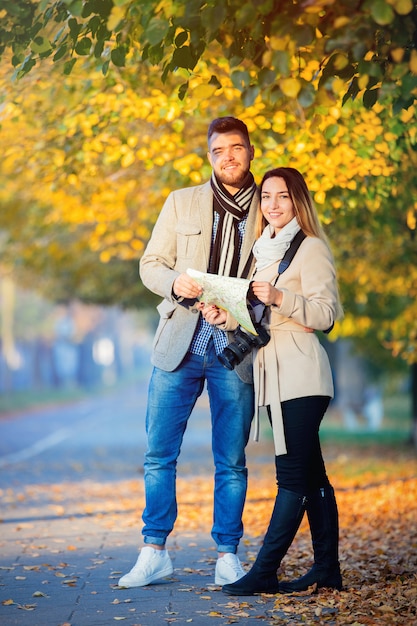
x=205, y=331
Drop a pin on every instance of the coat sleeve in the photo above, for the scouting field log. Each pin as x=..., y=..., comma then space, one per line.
x=173, y=247
x=310, y=299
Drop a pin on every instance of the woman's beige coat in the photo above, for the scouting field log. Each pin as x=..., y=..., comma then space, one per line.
x=294, y=364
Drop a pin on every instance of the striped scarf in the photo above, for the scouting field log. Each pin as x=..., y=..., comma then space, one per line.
x=225, y=252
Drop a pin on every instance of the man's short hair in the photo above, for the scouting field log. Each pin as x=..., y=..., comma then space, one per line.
x=226, y=125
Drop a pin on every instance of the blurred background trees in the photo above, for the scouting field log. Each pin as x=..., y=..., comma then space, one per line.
x=105, y=106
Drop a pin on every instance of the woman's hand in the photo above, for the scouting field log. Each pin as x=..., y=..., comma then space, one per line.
x=269, y=295
x=266, y=293
x=212, y=314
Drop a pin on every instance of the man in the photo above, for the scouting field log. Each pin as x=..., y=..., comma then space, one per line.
x=209, y=227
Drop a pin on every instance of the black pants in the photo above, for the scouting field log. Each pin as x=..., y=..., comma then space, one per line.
x=302, y=469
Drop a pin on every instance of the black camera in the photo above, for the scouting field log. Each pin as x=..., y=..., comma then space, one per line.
x=243, y=343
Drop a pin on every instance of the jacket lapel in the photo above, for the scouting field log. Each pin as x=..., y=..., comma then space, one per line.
x=249, y=238
x=205, y=209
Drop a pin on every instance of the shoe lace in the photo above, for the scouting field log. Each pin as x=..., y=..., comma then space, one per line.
x=234, y=563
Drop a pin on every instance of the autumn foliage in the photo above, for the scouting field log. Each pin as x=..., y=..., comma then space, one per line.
x=92, y=144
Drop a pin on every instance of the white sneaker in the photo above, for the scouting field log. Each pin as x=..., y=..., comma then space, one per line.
x=228, y=569
x=151, y=566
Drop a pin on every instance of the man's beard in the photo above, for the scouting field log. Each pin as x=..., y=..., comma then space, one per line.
x=234, y=179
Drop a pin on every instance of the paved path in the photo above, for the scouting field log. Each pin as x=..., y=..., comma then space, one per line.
x=71, y=495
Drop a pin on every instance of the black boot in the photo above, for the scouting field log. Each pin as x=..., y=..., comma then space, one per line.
x=285, y=520
x=324, y=527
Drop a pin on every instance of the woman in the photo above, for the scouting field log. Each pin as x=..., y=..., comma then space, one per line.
x=293, y=380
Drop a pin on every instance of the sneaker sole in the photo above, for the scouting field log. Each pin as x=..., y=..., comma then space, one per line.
x=218, y=580
x=151, y=579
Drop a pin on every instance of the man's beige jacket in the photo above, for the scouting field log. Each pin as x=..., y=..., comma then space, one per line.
x=181, y=239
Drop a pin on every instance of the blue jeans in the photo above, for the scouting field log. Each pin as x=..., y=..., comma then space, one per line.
x=171, y=399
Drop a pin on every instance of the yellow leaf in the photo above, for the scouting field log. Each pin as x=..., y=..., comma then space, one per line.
x=397, y=54
x=338, y=85
x=128, y=159
x=363, y=81
x=340, y=22
x=202, y=92
x=340, y=61
x=116, y=16
x=407, y=115
x=413, y=61
x=411, y=219
x=403, y=7
x=290, y=87
x=320, y=197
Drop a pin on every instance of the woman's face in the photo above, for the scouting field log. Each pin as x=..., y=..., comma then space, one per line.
x=276, y=204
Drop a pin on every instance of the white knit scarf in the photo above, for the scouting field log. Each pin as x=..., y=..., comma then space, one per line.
x=268, y=249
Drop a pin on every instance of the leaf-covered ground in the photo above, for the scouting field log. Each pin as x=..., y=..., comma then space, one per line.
x=377, y=496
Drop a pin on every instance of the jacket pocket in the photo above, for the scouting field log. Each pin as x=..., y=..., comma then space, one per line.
x=188, y=236
x=304, y=343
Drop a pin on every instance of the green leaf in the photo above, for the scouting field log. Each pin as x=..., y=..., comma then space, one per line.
x=370, y=97
x=215, y=81
x=17, y=58
x=266, y=77
x=304, y=35
x=154, y=54
x=60, y=53
x=249, y=95
x=98, y=48
x=281, y=62
x=40, y=45
x=240, y=79
x=155, y=31
x=183, y=57
x=68, y=65
x=371, y=68
x=212, y=18
x=26, y=66
x=307, y=95
x=181, y=38
x=182, y=91
x=118, y=56
x=75, y=7
x=382, y=12
x=74, y=28
x=352, y=92
x=331, y=131
x=83, y=46
x=246, y=15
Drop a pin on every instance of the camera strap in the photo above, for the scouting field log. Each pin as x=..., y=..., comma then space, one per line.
x=290, y=253
x=256, y=307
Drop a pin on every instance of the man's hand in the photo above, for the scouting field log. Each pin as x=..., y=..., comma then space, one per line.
x=185, y=287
